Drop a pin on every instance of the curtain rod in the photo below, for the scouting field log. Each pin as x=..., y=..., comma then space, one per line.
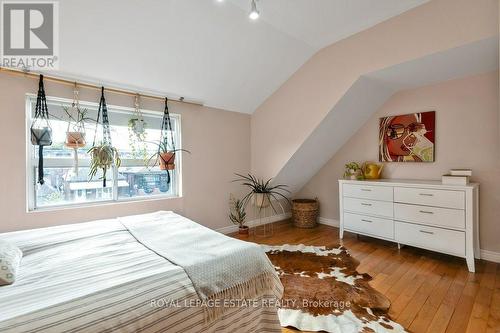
x=91, y=86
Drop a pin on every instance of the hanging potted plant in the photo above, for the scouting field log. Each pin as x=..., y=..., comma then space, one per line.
x=262, y=192
x=237, y=215
x=137, y=133
x=75, y=133
x=137, y=124
x=41, y=132
x=165, y=156
x=103, y=155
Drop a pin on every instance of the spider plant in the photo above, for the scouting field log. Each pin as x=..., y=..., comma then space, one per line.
x=103, y=156
x=165, y=156
x=262, y=191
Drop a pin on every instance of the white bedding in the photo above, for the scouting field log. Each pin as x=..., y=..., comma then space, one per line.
x=96, y=277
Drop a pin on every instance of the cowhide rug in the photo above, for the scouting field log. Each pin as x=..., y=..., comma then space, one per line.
x=324, y=292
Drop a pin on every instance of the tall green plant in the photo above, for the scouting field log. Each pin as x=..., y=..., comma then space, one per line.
x=256, y=185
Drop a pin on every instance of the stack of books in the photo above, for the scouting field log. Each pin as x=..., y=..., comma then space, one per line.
x=457, y=177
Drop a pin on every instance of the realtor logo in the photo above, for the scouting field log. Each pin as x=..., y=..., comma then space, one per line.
x=30, y=34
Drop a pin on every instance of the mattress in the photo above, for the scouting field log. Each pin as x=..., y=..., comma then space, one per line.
x=96, y=277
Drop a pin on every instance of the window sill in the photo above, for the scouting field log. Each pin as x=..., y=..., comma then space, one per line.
x=102, y=203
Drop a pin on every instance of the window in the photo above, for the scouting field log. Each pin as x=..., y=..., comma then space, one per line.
x=67, y=185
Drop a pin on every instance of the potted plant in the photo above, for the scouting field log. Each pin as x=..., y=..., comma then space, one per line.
x=103, y=156
x=137, y=125
x=237, y=215
x=165, y=156
x=261, y=192
x=137, y=138
x=353, y=171
x=75, y=135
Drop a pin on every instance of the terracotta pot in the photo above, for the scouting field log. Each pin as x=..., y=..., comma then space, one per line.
x=261, y=200
x=167, y=161
x=243, y=230
x=75, y=139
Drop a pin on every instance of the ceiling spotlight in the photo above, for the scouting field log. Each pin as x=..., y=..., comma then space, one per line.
x=254, y=13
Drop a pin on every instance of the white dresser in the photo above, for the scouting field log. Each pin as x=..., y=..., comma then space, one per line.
x=425, y=214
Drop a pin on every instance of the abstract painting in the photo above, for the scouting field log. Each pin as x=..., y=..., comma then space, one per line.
x=407, y=138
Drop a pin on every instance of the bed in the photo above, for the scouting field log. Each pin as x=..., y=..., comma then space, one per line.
x=104, y=276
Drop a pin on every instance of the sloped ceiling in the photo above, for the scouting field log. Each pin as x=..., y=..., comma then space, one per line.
x=369, y=93
x=204, y=50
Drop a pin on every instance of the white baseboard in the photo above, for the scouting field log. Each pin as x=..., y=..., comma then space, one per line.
x=490, y=256
x=253, y=223
x=330, y=222
x=485, y=254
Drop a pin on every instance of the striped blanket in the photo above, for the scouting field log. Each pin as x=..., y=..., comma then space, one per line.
x=96, y=277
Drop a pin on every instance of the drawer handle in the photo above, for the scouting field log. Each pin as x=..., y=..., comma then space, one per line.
x=365, y=204
x=426, y=212
x=427, y=232
x=426, y=194
x=366, y=189
x=366, y=221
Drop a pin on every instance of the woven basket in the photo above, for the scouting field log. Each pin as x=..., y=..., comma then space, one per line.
x=305, y=213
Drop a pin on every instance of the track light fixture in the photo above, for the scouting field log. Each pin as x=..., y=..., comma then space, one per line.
x=254, y=13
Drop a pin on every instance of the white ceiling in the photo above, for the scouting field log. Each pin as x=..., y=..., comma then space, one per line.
x=204, y=50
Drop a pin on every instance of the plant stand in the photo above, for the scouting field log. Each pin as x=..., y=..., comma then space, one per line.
x=263, y=219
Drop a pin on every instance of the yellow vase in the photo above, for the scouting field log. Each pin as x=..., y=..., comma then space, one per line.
x=372, y=170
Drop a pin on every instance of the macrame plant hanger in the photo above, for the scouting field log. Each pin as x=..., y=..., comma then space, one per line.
x=166, y=127
x=106, y=134
x=139, y=123
x=41, y=132
x=75, y=139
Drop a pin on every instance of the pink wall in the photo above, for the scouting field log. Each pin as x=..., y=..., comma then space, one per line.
x=219, y=142
x=282, y=123
x=467, y=131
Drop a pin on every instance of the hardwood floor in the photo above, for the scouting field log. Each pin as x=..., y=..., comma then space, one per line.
x=430, y=292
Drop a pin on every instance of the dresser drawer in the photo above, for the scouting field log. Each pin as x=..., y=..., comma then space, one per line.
x=369, y=225
x=371, y=207
x=382, y=193
x=437, y=198
x=432, y=238
x=445, y=217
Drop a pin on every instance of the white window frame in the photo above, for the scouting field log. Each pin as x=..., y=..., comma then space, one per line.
x=32, y=162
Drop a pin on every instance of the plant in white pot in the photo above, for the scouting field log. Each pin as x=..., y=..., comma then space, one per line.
x=237, y=215
x=137, y=132
x=262, y=192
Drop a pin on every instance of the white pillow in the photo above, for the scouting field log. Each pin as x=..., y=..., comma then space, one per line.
x=10, y=258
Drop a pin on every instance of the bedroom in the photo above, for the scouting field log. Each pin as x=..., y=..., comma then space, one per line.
x=135, y=193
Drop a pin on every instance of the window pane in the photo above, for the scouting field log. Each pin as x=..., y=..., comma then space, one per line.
x=144, y=182
x=63, y=186
x=136, y=177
